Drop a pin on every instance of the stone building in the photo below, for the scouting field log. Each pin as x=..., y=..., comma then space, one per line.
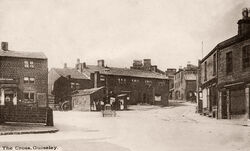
x=185, y=83
x=24, y=87
x=88, y=99
x=23, y=77
x=208, y=83
x=224, y=75
x=170, y=73
x=139, y=86
x=64, y=81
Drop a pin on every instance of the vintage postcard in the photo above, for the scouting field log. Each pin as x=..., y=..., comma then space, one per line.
x=124, y=75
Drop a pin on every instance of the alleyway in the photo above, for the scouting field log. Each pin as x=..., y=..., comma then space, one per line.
x=143, y=128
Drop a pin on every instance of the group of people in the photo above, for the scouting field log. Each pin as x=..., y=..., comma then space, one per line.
x=100, y=104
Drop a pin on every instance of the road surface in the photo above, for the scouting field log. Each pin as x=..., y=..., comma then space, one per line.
x=143, y=128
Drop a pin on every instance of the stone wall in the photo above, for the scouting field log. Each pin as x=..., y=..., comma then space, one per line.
x=26, y=114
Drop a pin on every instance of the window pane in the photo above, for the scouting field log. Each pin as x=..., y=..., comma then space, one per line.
x=26, y=96
x=26, y=64
x=32, y=80
x=26, y=79
x=32, y=96
x=31, y=64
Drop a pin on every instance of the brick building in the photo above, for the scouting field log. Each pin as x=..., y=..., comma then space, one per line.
x=139, y=86
x=64, y=81
x=24, y=87
x=170, y=73
x=185, y=83
x=225, y=72
x=23, y=77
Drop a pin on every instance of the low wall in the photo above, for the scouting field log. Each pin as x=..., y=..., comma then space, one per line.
x=26, y=114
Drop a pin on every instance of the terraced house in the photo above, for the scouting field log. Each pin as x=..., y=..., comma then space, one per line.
x=225, y=75
x=128, y=85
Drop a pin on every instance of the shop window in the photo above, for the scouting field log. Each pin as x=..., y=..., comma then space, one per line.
x=29, y=96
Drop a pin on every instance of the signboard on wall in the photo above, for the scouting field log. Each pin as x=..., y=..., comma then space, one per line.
x=158, y=98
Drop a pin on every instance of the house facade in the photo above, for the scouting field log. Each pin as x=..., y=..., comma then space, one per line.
x=185, y=83
x=208, y=83
x=224, y=75
x=23, y=77
x=139, y=86
x=24, y=87
x=63, y=81
x=170, y=73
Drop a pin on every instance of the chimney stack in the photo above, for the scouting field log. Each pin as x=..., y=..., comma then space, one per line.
x=244, y=23
x=100, y=63
x=96, y=78
x=147, y=62
x=154, y=68
x=65, y=65
x=4, y=46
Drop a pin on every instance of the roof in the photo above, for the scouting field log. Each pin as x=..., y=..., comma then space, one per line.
x=70, y=71
x=123, y=72
x=21, y=54
x=86, y=91
x=227, y=43
x=190, y=77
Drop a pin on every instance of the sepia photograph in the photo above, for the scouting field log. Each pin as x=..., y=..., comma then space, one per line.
x=124, y=75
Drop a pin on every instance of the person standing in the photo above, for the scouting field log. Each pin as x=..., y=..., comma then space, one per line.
x=102, y=105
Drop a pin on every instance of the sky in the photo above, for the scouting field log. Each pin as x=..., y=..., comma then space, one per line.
x=168, y=32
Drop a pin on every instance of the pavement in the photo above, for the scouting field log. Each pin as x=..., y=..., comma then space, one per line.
x=13, y=128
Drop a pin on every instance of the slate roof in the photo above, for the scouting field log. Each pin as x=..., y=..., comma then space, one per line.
x=123, y=72
x=21, y=54
x=226, y=43
x=70, y=71
x=86, y=91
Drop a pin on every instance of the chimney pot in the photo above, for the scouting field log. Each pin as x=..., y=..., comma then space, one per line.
x=65, y=65
x=4, y=46
x=244, y=23
x=100, y=63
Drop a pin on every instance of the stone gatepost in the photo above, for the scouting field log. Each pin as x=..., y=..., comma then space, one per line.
x=246, y=122
x=220, y=105
x=228, y=104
